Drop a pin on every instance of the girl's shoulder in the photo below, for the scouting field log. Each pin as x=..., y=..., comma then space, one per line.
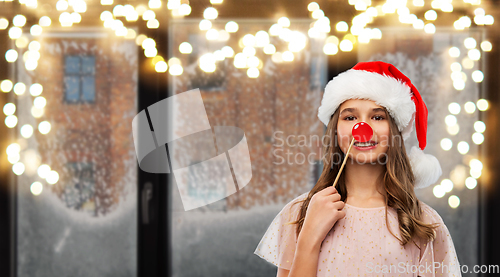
x=293, y=206
x=301, y=197
x=429, y=214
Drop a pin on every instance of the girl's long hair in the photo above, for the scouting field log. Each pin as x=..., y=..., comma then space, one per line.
x=398, y=180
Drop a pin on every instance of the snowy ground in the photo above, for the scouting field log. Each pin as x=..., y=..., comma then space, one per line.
x=56, y=241
x=221, y=244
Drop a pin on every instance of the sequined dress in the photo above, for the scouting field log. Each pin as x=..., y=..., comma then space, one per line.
x=360, y=244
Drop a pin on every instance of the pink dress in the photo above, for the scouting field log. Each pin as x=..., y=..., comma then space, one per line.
x=361, y=245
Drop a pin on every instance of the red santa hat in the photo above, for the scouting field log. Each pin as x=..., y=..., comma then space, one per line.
x=384, y=84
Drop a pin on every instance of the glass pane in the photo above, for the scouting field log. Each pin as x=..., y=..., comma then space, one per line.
x=281, y=103
x=223, y=235
x=72, y=88
x=72, y=64
x=80, y=216
x=88, y=65
x=88, y=88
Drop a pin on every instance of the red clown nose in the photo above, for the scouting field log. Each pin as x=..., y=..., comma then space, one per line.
x=362, y=132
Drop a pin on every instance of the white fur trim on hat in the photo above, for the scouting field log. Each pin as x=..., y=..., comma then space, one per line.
x=426, y=168
x=384, y=90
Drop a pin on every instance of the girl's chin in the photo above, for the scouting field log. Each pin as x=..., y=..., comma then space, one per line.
x=367, y=156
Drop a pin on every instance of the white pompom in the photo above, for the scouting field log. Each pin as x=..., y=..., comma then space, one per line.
x=426, y=168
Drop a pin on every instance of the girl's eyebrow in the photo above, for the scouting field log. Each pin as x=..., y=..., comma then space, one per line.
x=348, y=110
x=355, y=109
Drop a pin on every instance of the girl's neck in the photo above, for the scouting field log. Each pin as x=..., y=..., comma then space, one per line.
x=364, y=181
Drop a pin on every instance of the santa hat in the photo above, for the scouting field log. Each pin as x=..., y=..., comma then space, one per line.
x=384, y=84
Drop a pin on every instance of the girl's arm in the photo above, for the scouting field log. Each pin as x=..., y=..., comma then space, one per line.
x=283, y=272
x=305, y=261
x=324, y=210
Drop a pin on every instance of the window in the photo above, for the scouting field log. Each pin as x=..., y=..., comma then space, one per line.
x=80, y=189
x=79, y=79
x=107, y=176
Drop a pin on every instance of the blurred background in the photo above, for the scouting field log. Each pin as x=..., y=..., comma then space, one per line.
x=73, y=74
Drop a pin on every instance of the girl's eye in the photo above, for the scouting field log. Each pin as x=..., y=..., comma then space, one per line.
x=377, y=117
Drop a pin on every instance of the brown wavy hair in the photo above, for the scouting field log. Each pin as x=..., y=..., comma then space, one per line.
x=398, y=180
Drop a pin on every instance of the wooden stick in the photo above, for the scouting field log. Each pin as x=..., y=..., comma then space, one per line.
x=343, y=163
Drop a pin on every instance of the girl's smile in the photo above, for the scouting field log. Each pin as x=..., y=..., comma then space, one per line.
x=365, y=145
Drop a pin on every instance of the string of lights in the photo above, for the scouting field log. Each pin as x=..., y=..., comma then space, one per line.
x=116, y=18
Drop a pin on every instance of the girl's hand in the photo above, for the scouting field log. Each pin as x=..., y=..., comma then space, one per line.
x=324, y=209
